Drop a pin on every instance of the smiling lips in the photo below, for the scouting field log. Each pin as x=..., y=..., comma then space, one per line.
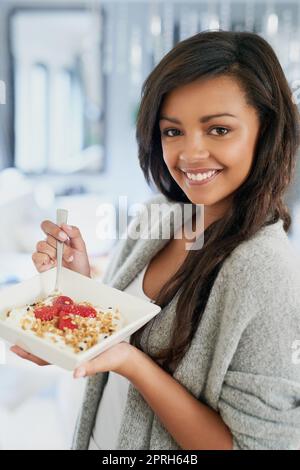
x=201, y=174
x=198, y=170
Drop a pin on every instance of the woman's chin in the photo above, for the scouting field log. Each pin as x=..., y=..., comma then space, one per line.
x=196, y=199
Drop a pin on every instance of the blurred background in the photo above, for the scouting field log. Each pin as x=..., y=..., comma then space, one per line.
x=71, y=74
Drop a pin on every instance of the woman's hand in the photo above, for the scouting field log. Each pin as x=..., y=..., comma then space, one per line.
x=29, y=357
x=119, y=359
x=75, y=255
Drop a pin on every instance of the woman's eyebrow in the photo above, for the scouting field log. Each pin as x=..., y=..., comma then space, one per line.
x=203, y=119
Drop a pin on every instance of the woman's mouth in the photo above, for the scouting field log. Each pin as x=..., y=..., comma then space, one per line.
x=200, y=178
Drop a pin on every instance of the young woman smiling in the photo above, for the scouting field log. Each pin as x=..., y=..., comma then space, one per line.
x=214, y=370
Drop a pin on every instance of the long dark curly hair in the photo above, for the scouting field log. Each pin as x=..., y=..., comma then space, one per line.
x=250, y=60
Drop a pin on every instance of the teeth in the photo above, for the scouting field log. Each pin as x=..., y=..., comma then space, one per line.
x=200, y=176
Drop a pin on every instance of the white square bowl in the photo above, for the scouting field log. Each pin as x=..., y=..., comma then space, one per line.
x=134, y=311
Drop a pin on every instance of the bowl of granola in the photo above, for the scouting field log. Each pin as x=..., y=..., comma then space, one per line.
x=70, y=327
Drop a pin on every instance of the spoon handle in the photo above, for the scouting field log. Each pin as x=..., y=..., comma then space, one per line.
x=61, y=218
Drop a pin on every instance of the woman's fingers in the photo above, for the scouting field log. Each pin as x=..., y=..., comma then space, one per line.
x=48, y=247
x=45, y=248
x=52, y=241
x=75, y=237
x=116, y=359
x=49, y=228
x=75, y=255
x=42, y=262
x=69, y=234
x=29, y=357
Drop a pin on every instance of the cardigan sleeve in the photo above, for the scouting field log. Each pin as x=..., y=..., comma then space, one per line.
x=262, y=412
x=260, y=394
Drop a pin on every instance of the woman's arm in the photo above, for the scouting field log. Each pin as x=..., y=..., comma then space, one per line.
x=192, y=424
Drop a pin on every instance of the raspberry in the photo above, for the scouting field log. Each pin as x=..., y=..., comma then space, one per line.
x=46, y=313
x=70, y=309
x=87, y=312
x=81, y=310
x=63, y=300
x=66, y=322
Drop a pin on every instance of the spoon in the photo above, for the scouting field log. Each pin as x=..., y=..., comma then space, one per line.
x=61, y=218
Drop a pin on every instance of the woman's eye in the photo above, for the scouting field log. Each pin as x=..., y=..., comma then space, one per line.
x=220, y=131
x=168, y=132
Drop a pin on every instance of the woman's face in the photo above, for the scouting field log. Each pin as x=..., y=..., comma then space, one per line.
x=208, y=136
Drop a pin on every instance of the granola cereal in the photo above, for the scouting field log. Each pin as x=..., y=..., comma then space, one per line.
x=76, y=326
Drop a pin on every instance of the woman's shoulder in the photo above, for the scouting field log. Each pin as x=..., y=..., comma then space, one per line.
x=267, y=264
x=259, y=285
x=269, y=247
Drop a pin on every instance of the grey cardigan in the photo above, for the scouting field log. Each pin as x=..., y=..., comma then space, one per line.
x=240, y=362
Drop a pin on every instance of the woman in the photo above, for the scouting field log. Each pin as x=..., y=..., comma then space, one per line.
x=216, y=127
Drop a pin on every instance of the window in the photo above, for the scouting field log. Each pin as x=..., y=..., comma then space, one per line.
x=59, y=90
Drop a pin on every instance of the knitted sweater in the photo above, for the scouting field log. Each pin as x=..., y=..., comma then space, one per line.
x=241, y=361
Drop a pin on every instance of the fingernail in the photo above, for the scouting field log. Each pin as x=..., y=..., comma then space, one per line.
x=63, y=236
x=70, y=259
x=52, y=262
x=80, y=372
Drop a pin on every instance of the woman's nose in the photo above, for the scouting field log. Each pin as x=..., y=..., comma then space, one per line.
x=194, y=154
x=195, y=148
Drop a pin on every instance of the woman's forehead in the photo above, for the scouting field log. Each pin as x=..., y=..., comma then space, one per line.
x=219, y=95
x=222, y=87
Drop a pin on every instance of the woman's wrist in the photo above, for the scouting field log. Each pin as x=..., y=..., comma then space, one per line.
x=132, y=364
